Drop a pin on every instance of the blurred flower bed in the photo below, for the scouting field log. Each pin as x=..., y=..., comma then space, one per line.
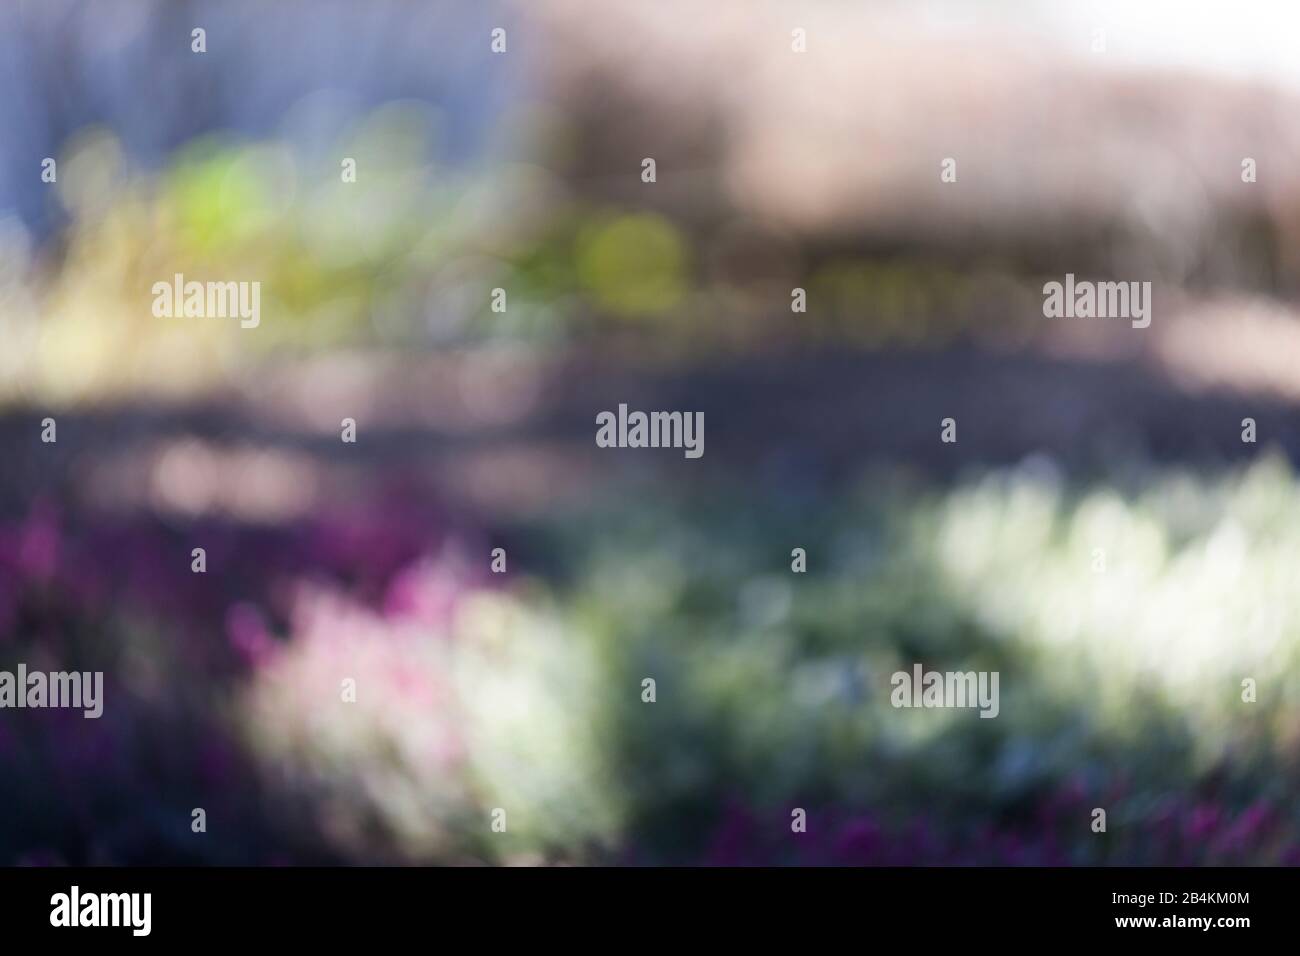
x=1123, y=610
x=1120, y=688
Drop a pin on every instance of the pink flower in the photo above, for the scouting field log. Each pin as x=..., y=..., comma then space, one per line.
x=247, y=633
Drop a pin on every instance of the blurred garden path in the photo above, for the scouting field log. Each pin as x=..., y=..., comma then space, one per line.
x=511, y=433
